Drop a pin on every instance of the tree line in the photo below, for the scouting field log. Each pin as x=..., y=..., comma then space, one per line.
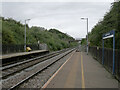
x=13, y=33
x=111, y=21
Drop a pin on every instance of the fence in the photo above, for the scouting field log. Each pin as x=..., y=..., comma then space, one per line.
x=20, y=48
x=108, y=59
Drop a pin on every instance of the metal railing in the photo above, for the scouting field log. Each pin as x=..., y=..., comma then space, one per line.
x=96, y=52
x=6, y=49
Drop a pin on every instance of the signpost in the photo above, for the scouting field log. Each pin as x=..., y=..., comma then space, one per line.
x=105, y=36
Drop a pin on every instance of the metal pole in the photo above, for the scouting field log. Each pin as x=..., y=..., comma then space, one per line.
x=102, y=51
x=87, y=35
x=25, y=37
x=113, y=52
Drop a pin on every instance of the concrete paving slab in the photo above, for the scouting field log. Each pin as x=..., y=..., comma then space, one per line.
x=20, y=54
x=82, y=71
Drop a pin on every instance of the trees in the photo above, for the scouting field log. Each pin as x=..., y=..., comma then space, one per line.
x=13, y=33
x=111, y=21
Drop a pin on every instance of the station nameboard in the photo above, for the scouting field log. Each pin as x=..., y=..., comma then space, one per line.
x=105, y=36
x=108, y=35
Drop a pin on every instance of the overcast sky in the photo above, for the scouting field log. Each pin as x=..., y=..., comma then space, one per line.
x=64, y=16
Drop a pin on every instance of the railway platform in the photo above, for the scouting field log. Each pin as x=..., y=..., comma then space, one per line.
x=15, y=57
x=81, y=71
x=22, y=53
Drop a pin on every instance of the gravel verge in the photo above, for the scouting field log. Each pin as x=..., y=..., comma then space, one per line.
x=11, y=81
x=40, y=79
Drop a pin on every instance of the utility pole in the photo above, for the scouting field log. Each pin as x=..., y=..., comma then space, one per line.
x=87, y=32
x=25, y=35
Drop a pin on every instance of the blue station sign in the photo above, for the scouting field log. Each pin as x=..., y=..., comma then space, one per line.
x=108, y=35
x=105, y=36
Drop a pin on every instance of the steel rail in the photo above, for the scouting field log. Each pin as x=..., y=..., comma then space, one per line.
x=30, y=62
x=24, y=80
x=12, y=65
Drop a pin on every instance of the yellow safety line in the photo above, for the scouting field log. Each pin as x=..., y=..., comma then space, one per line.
x=70, y=81
x=83, y=80
x=46, y=84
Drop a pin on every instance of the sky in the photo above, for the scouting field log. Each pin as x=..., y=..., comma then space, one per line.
x=62, y=15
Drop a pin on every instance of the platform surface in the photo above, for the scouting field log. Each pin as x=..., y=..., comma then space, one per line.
x=81, y=71
x=21, y=53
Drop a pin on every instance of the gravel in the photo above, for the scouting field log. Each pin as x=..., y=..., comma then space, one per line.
x=11, y=81
x=40, y=79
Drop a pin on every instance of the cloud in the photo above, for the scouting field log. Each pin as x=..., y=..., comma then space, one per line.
x=58, y=0
x=64, y=16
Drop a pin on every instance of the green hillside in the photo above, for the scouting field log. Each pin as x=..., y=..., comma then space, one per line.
x=111, y=21
x=13, y=33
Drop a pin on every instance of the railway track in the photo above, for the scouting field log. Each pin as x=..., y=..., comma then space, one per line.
x=43, y=60
x=17, y=67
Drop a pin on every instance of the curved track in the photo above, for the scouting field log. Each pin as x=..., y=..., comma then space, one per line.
x=45, y=62
x=17, y=67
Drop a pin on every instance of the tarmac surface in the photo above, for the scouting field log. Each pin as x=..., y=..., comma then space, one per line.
x=20, y=54
x=81, y=71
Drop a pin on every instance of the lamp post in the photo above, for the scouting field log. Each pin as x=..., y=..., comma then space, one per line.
x=87, y=31
x=25, y=35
